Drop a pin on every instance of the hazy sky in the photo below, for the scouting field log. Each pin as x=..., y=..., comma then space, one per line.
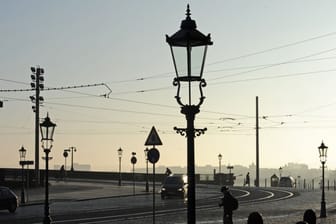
x=282, y=51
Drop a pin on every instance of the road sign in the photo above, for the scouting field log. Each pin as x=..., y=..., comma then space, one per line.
x=153, y=138
x=65, y=154
x=153, y=155
x=133, y=160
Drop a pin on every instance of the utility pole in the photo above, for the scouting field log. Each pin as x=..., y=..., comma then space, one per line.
x=257, y=143
x=37, y=84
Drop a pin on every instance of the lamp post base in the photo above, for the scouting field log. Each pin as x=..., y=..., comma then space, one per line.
x=23, y=201
x=323, y=212
x=47, y=220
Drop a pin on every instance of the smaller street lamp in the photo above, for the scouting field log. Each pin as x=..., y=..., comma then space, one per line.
x=146, y=156
x=220, y=168
x=323, y=158
x=133, y=161
x=120, y=152
x=47, y=132
x=22, y=153
x=220, y=162
x=280, y=171
x=230, y=168
x=73, y=149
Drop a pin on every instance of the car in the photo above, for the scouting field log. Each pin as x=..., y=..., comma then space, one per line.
x=8, y=199
x=287, y=182
x=174, y=185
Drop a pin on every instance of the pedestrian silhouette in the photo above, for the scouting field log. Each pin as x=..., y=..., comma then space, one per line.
x=309, y=216
x=168, y=172
x=255, y=218
x=247, y=179
x=62, y=172
x=229, y=204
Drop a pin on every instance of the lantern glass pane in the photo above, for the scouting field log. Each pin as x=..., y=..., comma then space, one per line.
x=197, y=58
x=180, y=60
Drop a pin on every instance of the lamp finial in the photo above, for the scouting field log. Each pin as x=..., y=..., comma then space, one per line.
x=188, y=11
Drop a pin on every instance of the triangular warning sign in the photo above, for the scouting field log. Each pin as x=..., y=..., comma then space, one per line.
x=153, y=138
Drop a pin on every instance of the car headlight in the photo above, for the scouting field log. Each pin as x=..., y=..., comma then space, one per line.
x=163, y=189
x=180, y=189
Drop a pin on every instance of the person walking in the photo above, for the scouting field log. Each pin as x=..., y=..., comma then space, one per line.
x=247, y=179
x=229, y=204
x=255, y=218
x=309, y=216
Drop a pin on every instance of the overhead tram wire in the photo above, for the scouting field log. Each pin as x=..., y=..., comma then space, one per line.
x=272, y=65
x=276, y=76
x=272, y=49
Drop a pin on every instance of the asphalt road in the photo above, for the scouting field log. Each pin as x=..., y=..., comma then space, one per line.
x=139, y=208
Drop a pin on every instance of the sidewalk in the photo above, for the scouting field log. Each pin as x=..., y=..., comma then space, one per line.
x=72, y=190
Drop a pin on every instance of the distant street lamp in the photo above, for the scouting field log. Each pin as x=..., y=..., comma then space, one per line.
x=120, y=152
x=220, y=162
x=323, y=158
x=230, y=168
x=280, y=171
x=133, y=161
x=73, y=149
x=22, y=153
x=65, y=154
x=47, y=131
x=188, y=48
x=220, y=168
x=146, y=156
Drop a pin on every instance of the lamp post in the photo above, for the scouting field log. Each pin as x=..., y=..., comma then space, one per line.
x=65, y=154
x=220, y=168
x=146, y=156
x=188, y=48
x=47, y=131
x=22, y=153
x=120, y=152
x=280, y=171
x=133, y=161
x=323, y=158
x=73, y=149
x=230, y=168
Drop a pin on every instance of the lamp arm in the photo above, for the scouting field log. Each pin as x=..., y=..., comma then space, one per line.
x=202, y=84
x=176, y=82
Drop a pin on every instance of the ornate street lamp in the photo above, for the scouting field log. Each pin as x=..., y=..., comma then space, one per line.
x=146, y=156
x=47, y=131
x=188, y=48
x=323, y=158
x=120, y=152
x=22, y=153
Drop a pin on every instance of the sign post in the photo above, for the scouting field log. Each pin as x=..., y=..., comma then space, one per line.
x=153, y=157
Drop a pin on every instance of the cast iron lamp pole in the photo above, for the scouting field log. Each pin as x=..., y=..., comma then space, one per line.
x=190, y=46
x=22, y=153
x=72, y=151
x=120, y=151
x=323, y=158
x=280, y=171
x=146, y=156
x=47, y=131
x=220, y=168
